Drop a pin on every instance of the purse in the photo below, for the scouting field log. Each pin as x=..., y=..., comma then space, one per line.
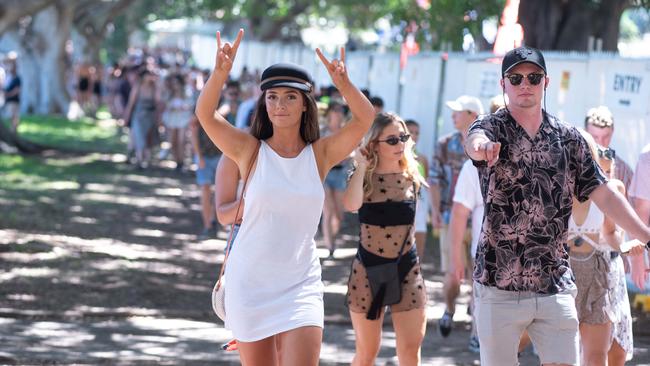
x=219, y=289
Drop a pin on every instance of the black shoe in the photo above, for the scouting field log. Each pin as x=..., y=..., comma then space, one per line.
x=445, y=324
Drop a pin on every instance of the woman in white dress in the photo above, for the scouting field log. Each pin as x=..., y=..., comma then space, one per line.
x=274, y=292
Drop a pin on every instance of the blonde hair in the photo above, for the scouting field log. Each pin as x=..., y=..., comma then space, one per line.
x=408, y=162
x=594, y=147
x=599, y=116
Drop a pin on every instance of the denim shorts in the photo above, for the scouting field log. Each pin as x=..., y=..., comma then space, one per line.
x=502, y=316
x=337, y=178
x=205, y=176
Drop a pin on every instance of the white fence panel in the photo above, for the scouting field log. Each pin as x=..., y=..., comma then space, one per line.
x=421, y=78
x=384, y=79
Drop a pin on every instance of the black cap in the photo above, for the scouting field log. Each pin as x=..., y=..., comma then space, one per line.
x=288, y=75
x=521, y=55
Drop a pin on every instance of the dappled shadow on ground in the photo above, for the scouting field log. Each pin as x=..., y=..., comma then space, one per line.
x=99, y=264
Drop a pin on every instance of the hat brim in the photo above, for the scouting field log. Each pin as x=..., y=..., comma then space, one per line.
x=289, y=84
x=454, y=105
x=523, y=62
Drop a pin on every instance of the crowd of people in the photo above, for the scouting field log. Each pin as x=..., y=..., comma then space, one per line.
x=543, y=219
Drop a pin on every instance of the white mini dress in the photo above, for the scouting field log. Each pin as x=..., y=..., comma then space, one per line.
x=273, y=272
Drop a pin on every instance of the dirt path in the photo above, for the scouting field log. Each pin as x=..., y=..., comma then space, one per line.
x=106, y=269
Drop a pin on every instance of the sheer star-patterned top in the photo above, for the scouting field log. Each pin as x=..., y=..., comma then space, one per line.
x=528, y=197
x=382, y=235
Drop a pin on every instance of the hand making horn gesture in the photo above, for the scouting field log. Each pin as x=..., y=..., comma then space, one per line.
x=226, y=53
x=336, y=68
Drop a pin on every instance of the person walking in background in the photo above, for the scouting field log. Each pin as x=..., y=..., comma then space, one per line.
x=206, y=157
x=335, y=181
x=423, y=209
x=11, y=91
x=142, y=112
x=447, y=161
x=594, y=244
x=599, y=122
x=176, y=116
x=274, y=291
x=531, y=165
x=383, y=188
x=468, y=205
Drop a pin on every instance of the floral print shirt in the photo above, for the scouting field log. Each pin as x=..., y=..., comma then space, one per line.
x=528, y=197
x=445, y=166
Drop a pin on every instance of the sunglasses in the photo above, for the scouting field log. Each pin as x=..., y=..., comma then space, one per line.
x=393, y=140
x=534, y=78
x=607, y=153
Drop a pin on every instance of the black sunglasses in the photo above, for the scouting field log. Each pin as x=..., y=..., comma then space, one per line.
x=607, y=153
x=393, y=140
x=534, y=78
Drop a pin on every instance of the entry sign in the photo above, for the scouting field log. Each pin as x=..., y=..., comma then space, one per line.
x=628, y=90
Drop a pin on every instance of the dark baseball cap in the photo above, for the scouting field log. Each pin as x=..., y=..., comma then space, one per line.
x=287, y=75
x=521, y=55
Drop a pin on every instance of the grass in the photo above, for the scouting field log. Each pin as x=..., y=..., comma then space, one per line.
x=93, y=139
x=83, y=135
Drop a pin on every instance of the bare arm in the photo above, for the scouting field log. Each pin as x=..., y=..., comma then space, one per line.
x=236, y=144
x=353, y=194
x=225, y=192
x=612, y=236
x=613, y=204
x=434, y=195
x=457, y=227
x=337, y=146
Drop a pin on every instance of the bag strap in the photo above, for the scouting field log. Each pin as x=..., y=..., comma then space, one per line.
x=232, y=225
x=408, y=231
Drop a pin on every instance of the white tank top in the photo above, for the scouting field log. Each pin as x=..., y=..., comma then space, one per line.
x=273, y=276
x=592, y=225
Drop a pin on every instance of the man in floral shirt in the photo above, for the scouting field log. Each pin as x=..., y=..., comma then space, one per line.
x=531, y=165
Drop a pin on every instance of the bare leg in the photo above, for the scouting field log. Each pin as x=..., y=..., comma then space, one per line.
x=616, y=355
x=594, y=339
x=262, y=352
x=410, y=327
x=300, y=346
x=207, y=207
x=420, y=241
x=367, y=334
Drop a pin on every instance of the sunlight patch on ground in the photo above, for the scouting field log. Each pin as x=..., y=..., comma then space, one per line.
x=108, y=246
x=84, y=310
x=21, y=297
x=158, y=219
x=60, y=185
x=148, y=232
x=28, y=272
x=172, y=192
x=141, y=202
x=106, y=188
x=54, y=253
x=83, y=220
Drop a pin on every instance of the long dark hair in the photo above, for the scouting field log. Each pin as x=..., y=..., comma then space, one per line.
x=262, y=128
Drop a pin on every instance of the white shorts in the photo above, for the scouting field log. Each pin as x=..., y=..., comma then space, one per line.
x=502, y=316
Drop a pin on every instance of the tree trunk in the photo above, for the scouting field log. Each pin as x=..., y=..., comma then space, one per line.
x=567, y=25
x=53, y=94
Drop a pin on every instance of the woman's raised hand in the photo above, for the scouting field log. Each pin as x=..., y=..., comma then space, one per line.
x=226, y=52
x=336, y=68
